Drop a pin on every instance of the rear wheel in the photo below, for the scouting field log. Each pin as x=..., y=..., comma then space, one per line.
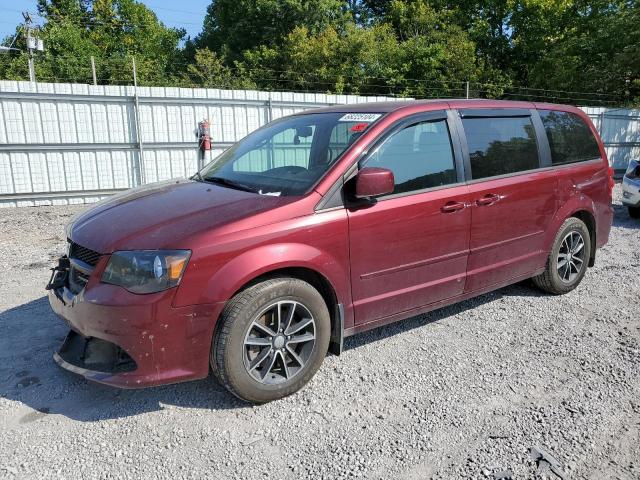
x=272, y=339
x=568, y=259
x=634, y=212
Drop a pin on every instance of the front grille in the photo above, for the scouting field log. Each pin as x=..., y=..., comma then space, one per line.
x=83, y=254
x=80, y=272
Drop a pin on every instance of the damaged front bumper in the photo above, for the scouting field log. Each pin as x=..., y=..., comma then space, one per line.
x=93, y=358
x=129, y=341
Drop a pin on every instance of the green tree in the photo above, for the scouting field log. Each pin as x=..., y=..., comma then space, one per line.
x=415, y=53
x=110, y=30
x=209, y=70
x=421, y=48
x=599, y=51
x=234, y=26
x=436, y=51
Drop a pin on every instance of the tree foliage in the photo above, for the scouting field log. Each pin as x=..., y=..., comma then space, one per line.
x=235, y=26
x=421, y=48
x=112, y=31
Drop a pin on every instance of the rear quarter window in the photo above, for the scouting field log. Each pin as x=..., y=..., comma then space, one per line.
x=569, y=137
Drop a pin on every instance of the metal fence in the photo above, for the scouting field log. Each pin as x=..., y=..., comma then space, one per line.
x=76, y=143
x=620, y=132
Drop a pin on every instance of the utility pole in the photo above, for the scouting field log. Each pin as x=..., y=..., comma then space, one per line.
x=31, y=45
x=93, y=70
x=135, y=73
x=139, y=166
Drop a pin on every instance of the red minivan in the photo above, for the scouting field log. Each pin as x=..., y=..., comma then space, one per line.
x=324, y=224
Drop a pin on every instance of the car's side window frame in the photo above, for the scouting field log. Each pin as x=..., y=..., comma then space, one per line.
x=586, y=125
x=335, y=197
x=542, y=143
x=407, y=122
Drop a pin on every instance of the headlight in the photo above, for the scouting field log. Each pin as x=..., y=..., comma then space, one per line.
x=146, y=271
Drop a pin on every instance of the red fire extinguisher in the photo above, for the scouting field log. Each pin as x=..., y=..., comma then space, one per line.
x=204, y=135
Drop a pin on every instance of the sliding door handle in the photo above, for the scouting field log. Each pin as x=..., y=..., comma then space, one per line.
x=488, y=199
x=453, y=207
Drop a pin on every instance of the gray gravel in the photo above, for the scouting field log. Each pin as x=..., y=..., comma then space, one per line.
x=465, y=391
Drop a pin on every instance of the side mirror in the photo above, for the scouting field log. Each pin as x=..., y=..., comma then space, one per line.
x=373, y=182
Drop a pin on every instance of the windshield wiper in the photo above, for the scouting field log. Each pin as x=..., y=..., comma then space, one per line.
x=198, y=177
x=228, y=183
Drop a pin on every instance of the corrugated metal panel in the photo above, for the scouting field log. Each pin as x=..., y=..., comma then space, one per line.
x=66, y=139
x=620, y=132
x=67, y=143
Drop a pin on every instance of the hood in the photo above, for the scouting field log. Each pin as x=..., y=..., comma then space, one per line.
x=164, y=215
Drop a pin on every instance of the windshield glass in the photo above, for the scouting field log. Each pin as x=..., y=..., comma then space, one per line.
x=288, y=156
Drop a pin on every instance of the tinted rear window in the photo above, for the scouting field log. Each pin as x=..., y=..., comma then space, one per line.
x=569, y=137
x=500, y=145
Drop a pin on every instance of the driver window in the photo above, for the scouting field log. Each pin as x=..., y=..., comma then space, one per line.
x=420, y=156
x=291, y=147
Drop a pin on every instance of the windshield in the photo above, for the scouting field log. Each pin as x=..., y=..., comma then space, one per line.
x=288, y=156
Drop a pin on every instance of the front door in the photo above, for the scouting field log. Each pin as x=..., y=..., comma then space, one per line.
x=409, y=249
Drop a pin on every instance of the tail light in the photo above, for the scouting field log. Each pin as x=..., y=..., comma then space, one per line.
x=611, y=181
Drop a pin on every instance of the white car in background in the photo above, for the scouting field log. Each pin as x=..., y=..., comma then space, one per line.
x=631, y=189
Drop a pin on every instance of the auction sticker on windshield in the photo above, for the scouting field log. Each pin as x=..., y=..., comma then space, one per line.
x=360, y=117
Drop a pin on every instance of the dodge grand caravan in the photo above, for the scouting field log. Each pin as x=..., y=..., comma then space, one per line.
x=324, y=224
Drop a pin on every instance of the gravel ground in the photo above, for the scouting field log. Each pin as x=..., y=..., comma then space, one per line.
x=465, y=391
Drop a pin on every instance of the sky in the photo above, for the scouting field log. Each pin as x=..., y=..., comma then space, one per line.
x=187, y=14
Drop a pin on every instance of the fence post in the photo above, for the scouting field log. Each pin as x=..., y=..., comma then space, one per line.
x=93, y=70
x=269, y=109
x=138, y=166
x=467, y=88
x=602, y=124
x=269, y=119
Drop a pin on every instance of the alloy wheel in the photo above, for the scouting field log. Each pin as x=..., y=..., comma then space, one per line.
x=570, y=260
x=279, y=342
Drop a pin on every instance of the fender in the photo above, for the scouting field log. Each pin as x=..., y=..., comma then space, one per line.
x=577, y=201
x=266, y=258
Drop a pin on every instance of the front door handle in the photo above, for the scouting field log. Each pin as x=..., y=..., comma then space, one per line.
x=452, y=207
x=488, y=199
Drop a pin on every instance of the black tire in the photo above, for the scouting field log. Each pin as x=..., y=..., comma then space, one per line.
x=229, y=352
x=551, y=281
x=634, y=212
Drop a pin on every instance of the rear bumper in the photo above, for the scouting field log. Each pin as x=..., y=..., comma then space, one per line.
x=631, y=192
x=164, y=344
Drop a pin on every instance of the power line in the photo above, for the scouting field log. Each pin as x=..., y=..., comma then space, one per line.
x=266, y=77
x=541, y=89
x=92, y=22
x=153, y=7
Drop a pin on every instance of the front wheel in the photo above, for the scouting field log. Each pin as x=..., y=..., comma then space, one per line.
x=272, y=339
x=568, y=259
x=634, y=212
